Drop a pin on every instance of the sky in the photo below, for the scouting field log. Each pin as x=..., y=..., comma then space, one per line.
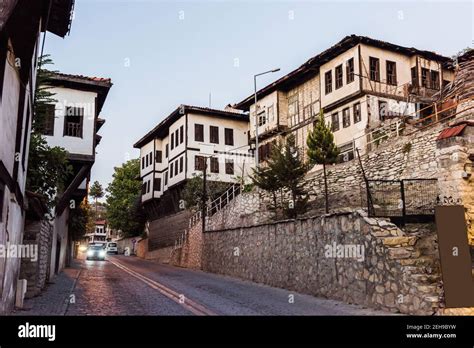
x=160, y=54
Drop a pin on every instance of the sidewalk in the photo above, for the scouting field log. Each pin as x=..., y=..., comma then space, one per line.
x=54, y=298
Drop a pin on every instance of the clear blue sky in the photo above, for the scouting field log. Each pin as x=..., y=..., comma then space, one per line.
x=179, y=52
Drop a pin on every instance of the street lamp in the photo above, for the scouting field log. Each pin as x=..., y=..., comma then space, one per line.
x=256, y=116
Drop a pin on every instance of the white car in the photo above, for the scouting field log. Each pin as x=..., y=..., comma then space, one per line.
x=95, y=252
x=112, y=248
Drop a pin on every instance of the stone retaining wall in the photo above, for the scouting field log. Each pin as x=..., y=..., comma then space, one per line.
x=398, y=272
x=37, y=233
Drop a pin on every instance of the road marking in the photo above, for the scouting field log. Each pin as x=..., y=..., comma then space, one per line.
x=189, y=304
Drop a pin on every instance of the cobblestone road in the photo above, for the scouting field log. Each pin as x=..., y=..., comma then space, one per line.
x=132, y=286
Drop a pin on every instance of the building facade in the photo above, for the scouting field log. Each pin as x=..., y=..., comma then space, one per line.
x=171, y=153
x=21, y=24
x=360, y=83
x=72, y=123
x=100, y=232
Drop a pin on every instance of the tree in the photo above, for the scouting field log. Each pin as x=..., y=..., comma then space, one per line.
x=81, y=221
x=96, y=192
x=124, y=209
x=285, y=172
x=43, y=95
x=192, y=192
x=322, y=149
x=48, y=167
x=266, y=179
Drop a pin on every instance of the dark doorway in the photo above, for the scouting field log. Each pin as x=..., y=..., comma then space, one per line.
x=58, y=254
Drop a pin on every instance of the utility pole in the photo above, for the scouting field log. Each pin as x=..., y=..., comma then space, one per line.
x=204, y=195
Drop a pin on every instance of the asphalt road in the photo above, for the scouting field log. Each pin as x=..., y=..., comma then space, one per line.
x=131, y=286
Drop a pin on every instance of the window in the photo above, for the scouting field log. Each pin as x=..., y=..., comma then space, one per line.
x=391, y=73
x=293, y=110
x=261, y=118
x=146, y=160
x=350, y=70
x=434, y=79
x=143, y=188
x=357, y=115
x=374, y=64
x=199, y=162
x=2, y=197
x=335, y=122
x=166, y=178
x=159, y=156
x=229, y=166
x=176, y=139
x=150, y=155
x=214, y=134
x=229, y=136
x=270, y=113
x=181, y=134
x=148, y=184
x=157, y=184
x=166, y=151
x=383, y=109
x=143, y=162
x=328, y=82
x=48, y=127
x=346, y=118
x=181, y=164
x=198, y=132
x=264, y=151
x=73, y=122
x=425, y=77
x=414, y=76
x=172, y=141
x=171, y=170
x=176, y=168
x=338, y=76
x=214, y=165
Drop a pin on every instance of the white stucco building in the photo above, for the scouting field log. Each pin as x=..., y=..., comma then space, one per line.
x=72, y=123
x=360, y=83
x=171, y=152
x=21, y=23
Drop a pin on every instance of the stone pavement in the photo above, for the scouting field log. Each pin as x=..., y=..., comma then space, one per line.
x=53, y=300
x=124, y=285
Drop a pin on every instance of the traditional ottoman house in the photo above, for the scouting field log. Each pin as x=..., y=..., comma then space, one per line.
x=72, y=123
x=99, y=235
x=172, y=153
x=364, y=87
x=21, y=23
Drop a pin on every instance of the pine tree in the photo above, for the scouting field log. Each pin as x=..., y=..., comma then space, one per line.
x=96, y=192
x=322, y=149
x=285, y=171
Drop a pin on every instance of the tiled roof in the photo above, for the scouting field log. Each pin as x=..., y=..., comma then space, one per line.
x=100, y=222
x=61, y=76
x=162, y=128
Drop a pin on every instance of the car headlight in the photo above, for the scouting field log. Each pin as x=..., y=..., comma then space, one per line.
x=102, y=253
x=90, y=253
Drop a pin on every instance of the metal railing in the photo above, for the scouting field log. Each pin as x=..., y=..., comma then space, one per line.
x=403, y=199
x=212, y=208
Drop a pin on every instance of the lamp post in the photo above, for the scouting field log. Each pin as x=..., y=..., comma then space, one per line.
x=256, y=115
